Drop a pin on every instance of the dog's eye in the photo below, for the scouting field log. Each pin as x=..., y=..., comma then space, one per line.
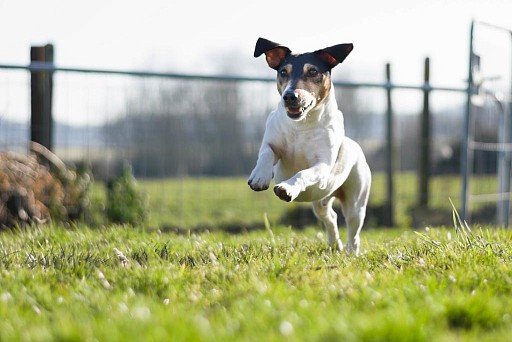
x=283, y=73
x=312, y=72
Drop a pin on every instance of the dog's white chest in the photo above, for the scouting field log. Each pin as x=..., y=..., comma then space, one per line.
x=300, y=150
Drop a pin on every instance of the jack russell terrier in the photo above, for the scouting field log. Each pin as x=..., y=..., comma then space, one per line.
x=304, y=147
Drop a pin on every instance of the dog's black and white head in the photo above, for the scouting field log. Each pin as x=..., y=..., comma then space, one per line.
x=303, y=80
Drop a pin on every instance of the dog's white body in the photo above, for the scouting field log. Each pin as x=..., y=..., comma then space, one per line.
x=313, y=161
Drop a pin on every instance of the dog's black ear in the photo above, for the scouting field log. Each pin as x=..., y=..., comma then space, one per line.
x=275, y=53
x=336, y=54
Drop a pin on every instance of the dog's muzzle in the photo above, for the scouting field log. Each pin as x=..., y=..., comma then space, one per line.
x=295, y=105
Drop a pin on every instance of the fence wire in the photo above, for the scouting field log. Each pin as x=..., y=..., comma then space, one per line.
x=192, y=142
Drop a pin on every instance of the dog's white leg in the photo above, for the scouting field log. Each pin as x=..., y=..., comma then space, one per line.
x=324, y=212
x=291, y=188
x=354, y=198
x=354, y=219
x=262, y=174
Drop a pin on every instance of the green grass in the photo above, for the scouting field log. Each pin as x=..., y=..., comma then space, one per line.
x=210, y=202
x=126, y=284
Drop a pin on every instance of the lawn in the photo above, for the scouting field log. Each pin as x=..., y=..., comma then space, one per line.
x=131, y=284
x=229, y=202
x=111, y=282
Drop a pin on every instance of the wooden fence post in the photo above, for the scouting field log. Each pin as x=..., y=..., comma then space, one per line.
x=390, y=155
x=425, y=138
x=41, y=84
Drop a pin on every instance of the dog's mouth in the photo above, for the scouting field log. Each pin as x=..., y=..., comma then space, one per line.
x=295, y=112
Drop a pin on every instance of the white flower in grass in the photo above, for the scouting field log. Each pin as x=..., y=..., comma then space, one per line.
x=202, y=322
x=213, y=259
x=122, y=258
x=166, y=301
x=452, y=278
x=123, y=308
x=194, y=297
x=286, y=328
x=5, y=297
x=36, y=309
x=261, y=287
x=142, y=313
x=104, y=281
x=216, y=293
x=320, y=236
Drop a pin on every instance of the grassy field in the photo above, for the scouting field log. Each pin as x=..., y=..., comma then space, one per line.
x=148, y=283
x=214, y=202
x=129, y=284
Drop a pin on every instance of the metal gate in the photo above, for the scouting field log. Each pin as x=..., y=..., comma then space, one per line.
x=487, y=136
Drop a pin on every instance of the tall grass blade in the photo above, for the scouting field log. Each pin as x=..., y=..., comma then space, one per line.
x=269, y=229
x=462, y=228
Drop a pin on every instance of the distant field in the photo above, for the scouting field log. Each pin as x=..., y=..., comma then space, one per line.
x=128, y=284
x=210, y=202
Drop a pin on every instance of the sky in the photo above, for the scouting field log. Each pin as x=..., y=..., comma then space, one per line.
x=197, y=36
x=218, y=36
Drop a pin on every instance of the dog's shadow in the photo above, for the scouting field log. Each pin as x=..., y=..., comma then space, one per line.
x=297, y=217
x=302, y=216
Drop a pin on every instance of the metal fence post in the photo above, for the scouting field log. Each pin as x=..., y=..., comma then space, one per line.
x=510, y=140
x=466, y=162
x=425, y=122
x=503, y=171
x=504, y=166
x=41, y=97
x=390, y=155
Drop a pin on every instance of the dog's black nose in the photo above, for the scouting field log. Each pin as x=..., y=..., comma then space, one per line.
x=290, y=97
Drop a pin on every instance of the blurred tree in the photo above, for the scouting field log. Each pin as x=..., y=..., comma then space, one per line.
x=191, y=129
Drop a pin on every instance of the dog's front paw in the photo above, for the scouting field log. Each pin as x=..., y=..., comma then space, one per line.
x=286, y=192
x=259, y=181
x=323, y=183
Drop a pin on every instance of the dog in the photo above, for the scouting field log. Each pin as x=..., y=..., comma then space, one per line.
x=304, y=146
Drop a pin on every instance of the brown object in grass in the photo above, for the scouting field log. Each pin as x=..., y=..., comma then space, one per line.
x=38, y=187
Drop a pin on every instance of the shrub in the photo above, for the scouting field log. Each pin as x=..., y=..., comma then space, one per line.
x=125, y=203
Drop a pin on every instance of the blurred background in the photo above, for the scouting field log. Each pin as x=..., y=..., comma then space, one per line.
x=172, y=89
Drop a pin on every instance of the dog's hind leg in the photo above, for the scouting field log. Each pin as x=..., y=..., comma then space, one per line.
x=353, y=195
x=324, y=212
